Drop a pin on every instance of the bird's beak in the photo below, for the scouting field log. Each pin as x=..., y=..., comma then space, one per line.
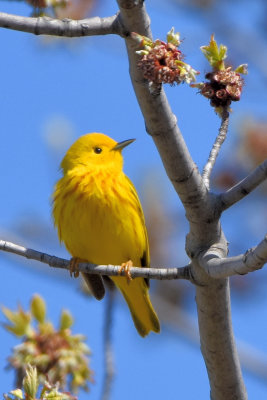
x=121, y=145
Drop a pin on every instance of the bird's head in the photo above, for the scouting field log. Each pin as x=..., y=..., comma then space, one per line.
x=95, y=150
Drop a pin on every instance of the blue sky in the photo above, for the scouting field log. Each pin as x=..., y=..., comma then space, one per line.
x=80, y=86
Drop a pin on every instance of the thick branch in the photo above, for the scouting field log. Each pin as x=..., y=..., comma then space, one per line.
x=65, y=27
x=213, y=300
x=161, y=123
x=216, y=148
x=217, y=341
x=243, y=188
x=182, y=322
x=109, y=270
x=252, y=260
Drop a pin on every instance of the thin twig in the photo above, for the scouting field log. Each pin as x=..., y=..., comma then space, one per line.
x=244, y=187
x=61, y=27
x=108, y=352
x=251, y=260
x=216, y=148
x=89, y=268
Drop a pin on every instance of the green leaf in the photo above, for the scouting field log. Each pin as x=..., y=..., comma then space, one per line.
x=173, y=37
x=38, y=308
x=17, y=393
x=30, y=382
x=66, y=320
x=56, y=395
x=142, y=40
x=20, y=320
x=242, y=69
x=214, y=54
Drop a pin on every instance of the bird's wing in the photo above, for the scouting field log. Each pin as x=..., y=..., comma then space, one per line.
x=145, y=259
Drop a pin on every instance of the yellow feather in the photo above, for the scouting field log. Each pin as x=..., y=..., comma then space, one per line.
x=99, y=218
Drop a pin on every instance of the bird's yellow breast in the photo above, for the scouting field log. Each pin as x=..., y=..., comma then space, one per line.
x=99, y=217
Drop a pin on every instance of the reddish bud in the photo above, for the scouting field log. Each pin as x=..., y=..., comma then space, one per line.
x=207, y=91
x=221, y=94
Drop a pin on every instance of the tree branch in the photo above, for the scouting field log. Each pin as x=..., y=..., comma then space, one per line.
x=215, y=266
x=243, y=188
x=213, y=300
x=181, y=322
x=217, y=341
x=109, y=270
x=161, y=123
x=216, y=148
x=251, y=260
x=65, y=27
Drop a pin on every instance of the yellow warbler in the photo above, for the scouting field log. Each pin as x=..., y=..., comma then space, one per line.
x=100, y=219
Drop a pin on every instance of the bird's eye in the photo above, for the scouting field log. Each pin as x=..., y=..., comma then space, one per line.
x=97, y=150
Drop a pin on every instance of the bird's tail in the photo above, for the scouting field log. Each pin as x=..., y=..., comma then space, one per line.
x=136, y=294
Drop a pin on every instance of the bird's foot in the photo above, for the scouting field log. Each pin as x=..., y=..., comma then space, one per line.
x=126, y=267
x=74, y=263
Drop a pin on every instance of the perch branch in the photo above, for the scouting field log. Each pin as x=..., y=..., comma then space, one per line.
x=215, y=266
x=243, y=188
x=251, y=260
x=109, y=270
x=216, y=148
x=57, y=27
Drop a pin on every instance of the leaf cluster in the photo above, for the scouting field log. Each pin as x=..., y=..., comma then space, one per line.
x=31, y=389
x=58, y=355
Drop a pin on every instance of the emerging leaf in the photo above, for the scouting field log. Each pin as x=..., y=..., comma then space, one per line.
x=20, y=321
x=242, y=69
x=30, y=383
x=173, y=37
x=31, y=389
x=144, y=41
x=58, y=356
x=214, y=54
x=38, y=308
x=17, y=393
x=66, y=320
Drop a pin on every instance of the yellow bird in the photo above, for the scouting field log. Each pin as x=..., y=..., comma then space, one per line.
x=99, y=217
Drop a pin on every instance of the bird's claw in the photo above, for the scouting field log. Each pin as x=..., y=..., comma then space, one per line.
x=126, y=267
x=74, y=263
